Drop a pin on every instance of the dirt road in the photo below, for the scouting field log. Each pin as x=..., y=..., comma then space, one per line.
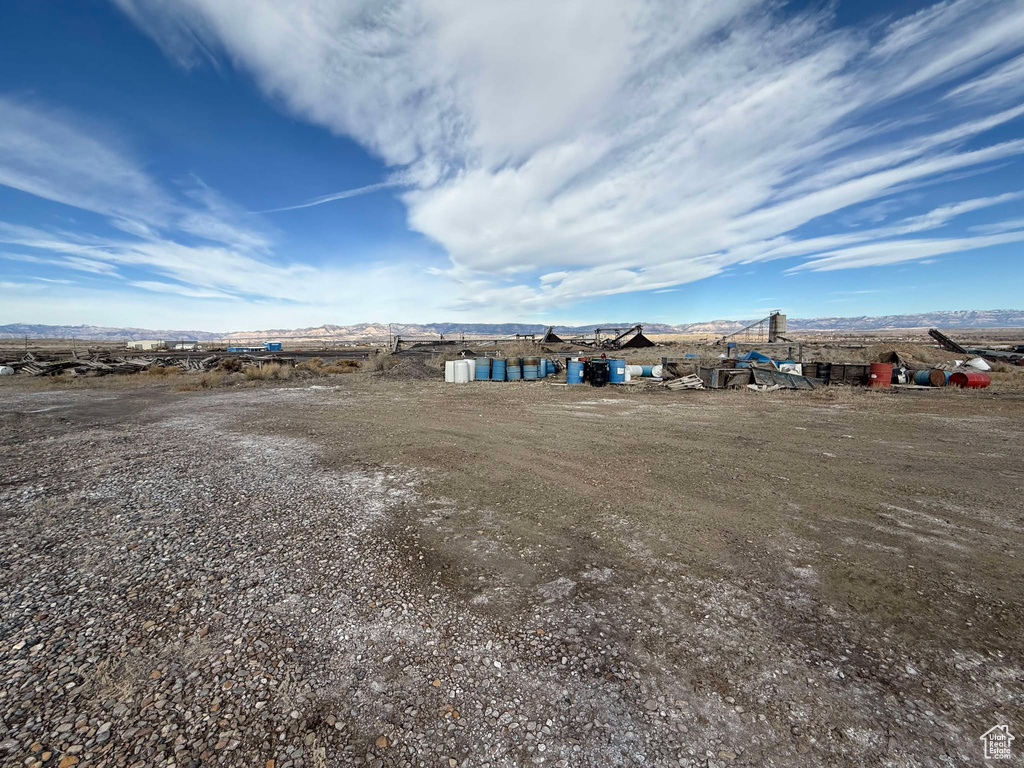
x=499, y=575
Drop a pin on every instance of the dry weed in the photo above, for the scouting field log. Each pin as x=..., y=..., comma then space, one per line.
x=318, y=367
x=383, y=362
x=112, y=678
x=519, y=349
x=269, y=372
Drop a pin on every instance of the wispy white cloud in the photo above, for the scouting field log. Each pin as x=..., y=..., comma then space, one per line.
x=996, y=227
x=557, y=151
x=345, y=195
x=1004, y=84
x=60, y=157
x=883, y=253
x=180, y=290
x=561, y=151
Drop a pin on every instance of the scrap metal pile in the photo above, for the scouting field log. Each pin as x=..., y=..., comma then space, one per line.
x=100, y=365
x=752, y=369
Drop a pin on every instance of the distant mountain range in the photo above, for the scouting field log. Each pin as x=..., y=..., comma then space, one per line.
x=994, y=318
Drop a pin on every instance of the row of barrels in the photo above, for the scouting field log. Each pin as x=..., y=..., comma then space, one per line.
x=881, y=376
x=498, y=369
x=964, y=379
x=513, y=368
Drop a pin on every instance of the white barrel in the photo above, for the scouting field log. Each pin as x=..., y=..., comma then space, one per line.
x=656, y=371
x=462, y=371
x=449, y=371
x=979, y=364
x=472, y=370
x=6, y=370
x=634, y=370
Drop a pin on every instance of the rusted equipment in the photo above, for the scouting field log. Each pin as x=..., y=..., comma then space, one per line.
x=945, y=342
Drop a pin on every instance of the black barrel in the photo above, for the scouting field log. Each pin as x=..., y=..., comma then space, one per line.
x=598, y=373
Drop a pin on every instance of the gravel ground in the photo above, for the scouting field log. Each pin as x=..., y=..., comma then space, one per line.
x=233, y=579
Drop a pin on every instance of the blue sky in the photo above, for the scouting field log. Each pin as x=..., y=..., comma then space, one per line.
x=224, y=164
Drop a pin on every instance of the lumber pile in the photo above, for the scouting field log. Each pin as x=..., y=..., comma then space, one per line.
x=100, y=365
x=689, y=381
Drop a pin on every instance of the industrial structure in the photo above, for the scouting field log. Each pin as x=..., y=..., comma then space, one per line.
x=769, y=329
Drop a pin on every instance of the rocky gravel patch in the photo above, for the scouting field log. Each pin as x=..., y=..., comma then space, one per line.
x=176, y=591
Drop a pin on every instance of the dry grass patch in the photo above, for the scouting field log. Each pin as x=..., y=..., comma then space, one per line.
x=269, y=372
x=318, y=367
x=383, y=362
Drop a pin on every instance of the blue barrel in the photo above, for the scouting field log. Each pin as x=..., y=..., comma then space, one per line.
x=648, y=370
x=498, y=369
x=616, y=371
x=483, y=368
x=543, y=367
x=513, y=369
x=531, y=368
x=574, y=372
x=933, y=378
x=551, y=367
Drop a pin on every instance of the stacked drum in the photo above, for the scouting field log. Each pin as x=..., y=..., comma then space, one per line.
x=513, y=369
x=531, y=368
x=483, y=368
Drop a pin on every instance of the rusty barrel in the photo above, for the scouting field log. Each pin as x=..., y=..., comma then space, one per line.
x=970, y=379
x=880, y=375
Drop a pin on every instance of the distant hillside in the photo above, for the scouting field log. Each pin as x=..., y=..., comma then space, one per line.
x=97, y=333
x=995, y=318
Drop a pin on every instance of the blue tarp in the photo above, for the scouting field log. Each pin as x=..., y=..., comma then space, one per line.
x=755, y=356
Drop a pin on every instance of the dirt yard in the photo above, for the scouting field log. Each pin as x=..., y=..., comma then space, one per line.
x=389, y=573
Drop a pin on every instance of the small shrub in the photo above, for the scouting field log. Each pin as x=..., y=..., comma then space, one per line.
x=383, y=362
x=343, y=366
x=211, y=379
x=230, y=365
x=269, y=372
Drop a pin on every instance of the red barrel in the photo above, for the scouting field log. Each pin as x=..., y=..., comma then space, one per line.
x=970, y=379
x=880, y=375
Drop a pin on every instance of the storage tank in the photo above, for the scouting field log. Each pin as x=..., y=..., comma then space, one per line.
x=449, y=371
x=462, y=371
